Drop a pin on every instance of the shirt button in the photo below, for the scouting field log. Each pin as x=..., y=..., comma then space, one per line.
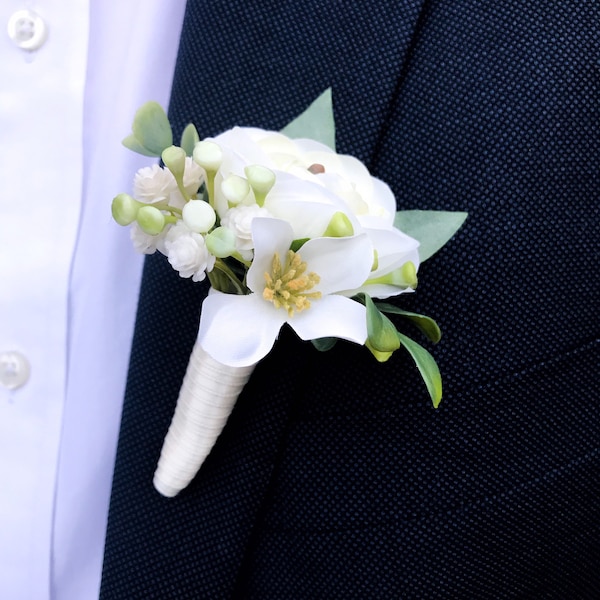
x=27, y=30
x=14, y=370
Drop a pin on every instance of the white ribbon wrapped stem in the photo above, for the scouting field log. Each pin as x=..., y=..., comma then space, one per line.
x=207, y=397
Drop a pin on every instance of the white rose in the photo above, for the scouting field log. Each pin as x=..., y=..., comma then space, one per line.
x=187, y=252
x=363, y=195
x=145, y=243
x=239, y=220
x=153, y=184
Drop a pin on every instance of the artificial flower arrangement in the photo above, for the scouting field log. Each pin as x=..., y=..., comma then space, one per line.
x=287, y=231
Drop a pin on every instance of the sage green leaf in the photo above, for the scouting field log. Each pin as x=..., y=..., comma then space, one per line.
x=189, y=138
x=427, y=367
x=432, y=228
x=426, y=324
x=151, y=128
x=316, y=122
x=382, y=334
x=324, y=344
x=132, y=143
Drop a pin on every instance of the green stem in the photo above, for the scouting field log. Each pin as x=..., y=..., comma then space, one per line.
x=182, y=190
x=210, y=187
x=165, y=206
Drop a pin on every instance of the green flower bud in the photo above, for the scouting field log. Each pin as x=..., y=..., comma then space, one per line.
x=409, y=274
x=124, y=209
x=380, y=356
x=339, y=226
x=403, y=277
x=220, y=242
x=151, y=220
x=261, y=181
x=174, y=159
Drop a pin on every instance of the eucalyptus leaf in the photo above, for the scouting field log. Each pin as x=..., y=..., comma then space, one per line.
x=324, y=344
x=316, y=122
x=382, y=334
x=189, y=138
x=426, y=324
x=432, y=228
x=152, y=129
x=427, y=367
x=132, y=143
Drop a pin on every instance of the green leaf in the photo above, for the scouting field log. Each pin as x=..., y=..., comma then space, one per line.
x=151, y=128
x=382, y=334
x=426, y=324
x=316, y=122
x=324, y=344
x=132, y=143
x=432, y=228
x=189, y=138
x=297, y=244
x=427, y=367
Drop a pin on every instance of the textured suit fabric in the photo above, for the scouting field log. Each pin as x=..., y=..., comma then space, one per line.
x=335, y=478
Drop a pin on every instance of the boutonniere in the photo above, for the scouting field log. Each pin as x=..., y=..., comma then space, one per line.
x=287, y=231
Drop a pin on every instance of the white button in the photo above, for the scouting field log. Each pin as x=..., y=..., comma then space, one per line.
x=14, y=370
x=27, y=29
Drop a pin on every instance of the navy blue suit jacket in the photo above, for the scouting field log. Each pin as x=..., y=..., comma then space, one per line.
x=335, y=478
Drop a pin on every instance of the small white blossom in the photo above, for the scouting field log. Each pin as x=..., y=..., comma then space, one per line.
x=239, y=220
x=145, y=243
x=187, y=252
x=153, y=184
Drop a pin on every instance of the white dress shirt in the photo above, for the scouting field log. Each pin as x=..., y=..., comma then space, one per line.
x=68, y=275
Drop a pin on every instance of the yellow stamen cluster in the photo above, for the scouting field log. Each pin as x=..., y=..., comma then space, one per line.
x=288, y=285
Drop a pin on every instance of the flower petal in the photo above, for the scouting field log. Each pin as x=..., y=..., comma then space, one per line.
x=394, y=248
x=238, y=330
x=270, y=236
x=332, y=316
x=341, y=263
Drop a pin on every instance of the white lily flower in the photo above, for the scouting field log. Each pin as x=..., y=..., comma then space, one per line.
x=287, y=287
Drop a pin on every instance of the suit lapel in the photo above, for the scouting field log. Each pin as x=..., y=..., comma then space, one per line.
x=255, y=64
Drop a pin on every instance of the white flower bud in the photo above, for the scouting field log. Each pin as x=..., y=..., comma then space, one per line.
x=199, y=216
x=174, y=159
x=261, y=179
x=235, y=189
x=208, y=155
